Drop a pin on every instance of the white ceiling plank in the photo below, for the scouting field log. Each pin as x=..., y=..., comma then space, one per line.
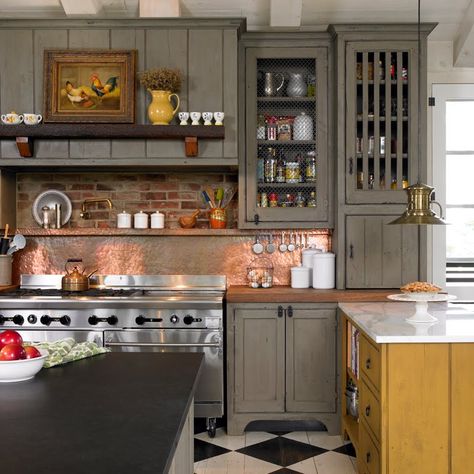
x=159, y=9
x=463, y=50
x=82, y=7
x=285, y=13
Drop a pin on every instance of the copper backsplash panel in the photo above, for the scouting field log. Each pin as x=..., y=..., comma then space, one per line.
x=227, y=255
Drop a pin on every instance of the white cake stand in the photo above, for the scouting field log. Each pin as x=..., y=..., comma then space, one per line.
x=421, y=301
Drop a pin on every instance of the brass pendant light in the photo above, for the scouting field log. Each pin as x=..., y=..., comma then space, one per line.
x=420, y=196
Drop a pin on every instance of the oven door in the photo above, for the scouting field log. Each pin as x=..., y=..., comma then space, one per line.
x=36, y=335
x=210, y=390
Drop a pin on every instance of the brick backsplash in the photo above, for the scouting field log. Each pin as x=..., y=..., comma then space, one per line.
x=174, y=194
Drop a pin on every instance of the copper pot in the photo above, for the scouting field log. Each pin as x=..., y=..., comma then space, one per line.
x=75, y=278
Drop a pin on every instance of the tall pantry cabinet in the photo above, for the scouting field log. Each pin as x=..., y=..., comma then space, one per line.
x=380, y=151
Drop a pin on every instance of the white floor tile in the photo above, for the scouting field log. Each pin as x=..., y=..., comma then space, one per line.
x=307, y=466
x=234, y=463
x=334, y=463
x=235, y=442
x=323, y=440
x=301, y=436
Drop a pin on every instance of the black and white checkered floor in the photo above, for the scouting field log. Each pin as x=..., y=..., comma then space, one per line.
x=278, y=452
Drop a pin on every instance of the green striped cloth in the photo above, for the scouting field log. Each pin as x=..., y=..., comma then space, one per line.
x=68, y=350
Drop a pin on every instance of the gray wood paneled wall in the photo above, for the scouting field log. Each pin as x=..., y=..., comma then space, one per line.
x=204, y=50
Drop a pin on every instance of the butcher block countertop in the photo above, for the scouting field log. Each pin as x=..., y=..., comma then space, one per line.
x=286, y=294
x=8, y=287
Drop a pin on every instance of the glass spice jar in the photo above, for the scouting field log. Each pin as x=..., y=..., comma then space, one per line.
x=273, y=199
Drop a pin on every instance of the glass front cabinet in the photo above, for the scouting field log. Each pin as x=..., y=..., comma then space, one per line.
x=381, y=121
x=286, y=142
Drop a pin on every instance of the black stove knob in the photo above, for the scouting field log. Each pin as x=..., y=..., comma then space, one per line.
x=174, y=319
x=93, y=320
x=2, y=319
x=32, y=319
x=140, y=320
x=112, y=320
x=65, y=320
x=18, y=319
x=45, y=320
x=188, y=319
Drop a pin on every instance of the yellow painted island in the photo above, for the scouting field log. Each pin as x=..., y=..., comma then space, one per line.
x=415, y=386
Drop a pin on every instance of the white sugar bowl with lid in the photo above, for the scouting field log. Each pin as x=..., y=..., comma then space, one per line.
x=300, y=277
x=124, y=220
x=157, y=220
x=140, y=220
x=324, y=270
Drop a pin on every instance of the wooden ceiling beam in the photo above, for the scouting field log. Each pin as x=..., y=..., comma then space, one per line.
x=463, y=44
x=159, y=9
x=81, y=7
x=285, y=13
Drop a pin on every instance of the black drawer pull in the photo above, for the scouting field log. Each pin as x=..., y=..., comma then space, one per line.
x=280, y=311
x=290, y=311
x=367, y=458
x=367, y=410
x=368, y=363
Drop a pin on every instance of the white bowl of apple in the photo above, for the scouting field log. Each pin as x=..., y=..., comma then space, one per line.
x=18, y=362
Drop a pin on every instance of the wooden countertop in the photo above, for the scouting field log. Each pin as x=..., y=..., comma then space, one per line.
x=286, y=294
x=8, y=288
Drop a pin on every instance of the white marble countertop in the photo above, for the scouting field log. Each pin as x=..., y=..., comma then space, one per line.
x=386, y=322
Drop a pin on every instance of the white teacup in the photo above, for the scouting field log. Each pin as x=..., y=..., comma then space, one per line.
x=32, y=119
x=183, y=117
x=195, y=117
x=207, y=116
x=219, y=118
x=12, y=118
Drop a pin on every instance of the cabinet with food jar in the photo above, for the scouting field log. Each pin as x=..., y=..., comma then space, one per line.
x=286, y=138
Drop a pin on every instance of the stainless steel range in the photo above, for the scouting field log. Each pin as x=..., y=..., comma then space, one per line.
x=160, y=313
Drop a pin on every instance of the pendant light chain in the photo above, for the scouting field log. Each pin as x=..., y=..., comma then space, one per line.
x=419, y=93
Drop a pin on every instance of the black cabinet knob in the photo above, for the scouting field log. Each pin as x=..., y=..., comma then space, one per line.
x=367, y=410
x=368, y=363
x=45, y=320
x=18, y=319
x=2, y=319
x=32, y=319
x=65, y=320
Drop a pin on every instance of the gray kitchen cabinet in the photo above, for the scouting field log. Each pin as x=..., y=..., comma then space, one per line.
x=281, y=364
x=286, y=168
x=380, y=255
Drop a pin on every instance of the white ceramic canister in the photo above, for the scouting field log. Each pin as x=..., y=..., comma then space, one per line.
x=140, y=220
x=303, y=127
x=157, y=220
x=307, y=260
x=324, y=270
x=124, y=220
x=300, y=277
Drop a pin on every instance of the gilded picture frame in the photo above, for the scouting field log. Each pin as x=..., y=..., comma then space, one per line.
x=89, y=86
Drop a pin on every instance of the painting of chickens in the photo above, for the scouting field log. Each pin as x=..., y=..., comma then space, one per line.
x=90, y=86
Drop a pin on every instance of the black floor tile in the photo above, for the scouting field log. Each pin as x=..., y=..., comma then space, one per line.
x=282, y=451
x=285, y=470
x=279, y=433
x=204, y=450
x=346, y=449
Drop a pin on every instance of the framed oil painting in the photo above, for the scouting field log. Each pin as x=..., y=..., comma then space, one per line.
x=87, y=86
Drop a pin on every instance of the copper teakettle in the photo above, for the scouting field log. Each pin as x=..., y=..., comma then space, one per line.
x=75, y=279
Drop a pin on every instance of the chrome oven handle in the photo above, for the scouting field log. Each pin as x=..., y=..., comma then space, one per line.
x=152, y=344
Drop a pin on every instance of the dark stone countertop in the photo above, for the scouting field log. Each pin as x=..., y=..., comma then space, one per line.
x=113, y=413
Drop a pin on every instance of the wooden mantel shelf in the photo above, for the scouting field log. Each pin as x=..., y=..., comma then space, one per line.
x=25, y=134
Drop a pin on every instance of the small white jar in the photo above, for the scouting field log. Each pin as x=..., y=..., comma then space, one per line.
x=157, y=220
x=124, y=220
x=307, y=260
x=300, y=277
x=303, y=127
x=140, y=220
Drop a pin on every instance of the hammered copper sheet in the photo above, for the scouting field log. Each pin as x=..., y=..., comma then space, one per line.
x=229, y=256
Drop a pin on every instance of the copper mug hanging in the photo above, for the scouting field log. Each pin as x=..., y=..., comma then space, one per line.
x=270, y=88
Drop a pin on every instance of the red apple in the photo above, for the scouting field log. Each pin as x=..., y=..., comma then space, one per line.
x=32, y=352
x=12, y=352
x=10, y=337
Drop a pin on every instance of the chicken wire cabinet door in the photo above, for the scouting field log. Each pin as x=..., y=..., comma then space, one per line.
x=286, y=169
x=379, y=255
x=381, y=121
